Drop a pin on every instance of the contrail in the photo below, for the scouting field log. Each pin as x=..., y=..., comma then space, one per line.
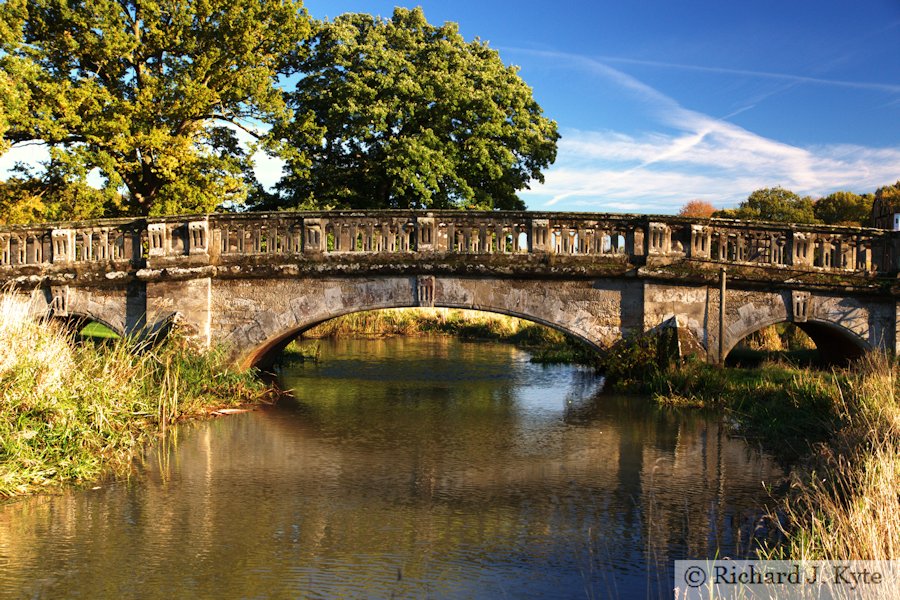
x=860, y=85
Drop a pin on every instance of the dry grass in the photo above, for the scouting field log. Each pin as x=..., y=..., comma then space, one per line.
x=845, y=500
x=419, y=321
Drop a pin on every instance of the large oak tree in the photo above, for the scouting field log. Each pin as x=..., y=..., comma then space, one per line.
x=407, y=114
x=150, y=92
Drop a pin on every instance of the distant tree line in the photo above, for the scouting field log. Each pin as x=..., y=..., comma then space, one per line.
x=781, y=205
x=154, y=98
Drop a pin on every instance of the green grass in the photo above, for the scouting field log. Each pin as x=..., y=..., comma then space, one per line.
x=71, y=412
x=97, y=331
x=301, y=351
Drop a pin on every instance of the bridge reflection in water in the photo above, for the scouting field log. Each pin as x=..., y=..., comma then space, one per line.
x=253, y=281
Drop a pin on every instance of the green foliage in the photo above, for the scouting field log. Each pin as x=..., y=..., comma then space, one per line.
x=773, y=204
x=12, y=103
x=56, y=194
x=889, y=194
x=844, y=208
x=149, y=93
x=785, y=406
x=630, y=364
x=400, y=113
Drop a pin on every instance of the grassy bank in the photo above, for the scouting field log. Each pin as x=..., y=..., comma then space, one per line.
x=844, y=503
x=71, y=412
x=842, y=429
x=546, y=345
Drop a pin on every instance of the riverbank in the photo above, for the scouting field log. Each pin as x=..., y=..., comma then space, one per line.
x=841, y=429
x=545, y=345
x=73, y=412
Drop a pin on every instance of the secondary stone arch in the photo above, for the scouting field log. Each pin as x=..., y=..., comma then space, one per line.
x=75, y=321
x=835, y=342
x=569, y=308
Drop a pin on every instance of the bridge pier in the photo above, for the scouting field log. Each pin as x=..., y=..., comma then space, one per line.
x=185, y=302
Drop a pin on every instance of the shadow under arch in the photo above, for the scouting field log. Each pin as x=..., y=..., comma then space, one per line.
x=263, y=355
x=74, y=322
x=836, y=344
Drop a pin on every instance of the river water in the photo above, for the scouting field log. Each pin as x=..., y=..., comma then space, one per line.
x=405, y=467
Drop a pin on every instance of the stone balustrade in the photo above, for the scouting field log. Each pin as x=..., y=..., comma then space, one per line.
x=225, y=237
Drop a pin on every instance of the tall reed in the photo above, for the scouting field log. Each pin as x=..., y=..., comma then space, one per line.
x=845, y=499
x=69, y=412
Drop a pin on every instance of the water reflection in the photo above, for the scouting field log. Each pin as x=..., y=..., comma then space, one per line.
x=405, y=468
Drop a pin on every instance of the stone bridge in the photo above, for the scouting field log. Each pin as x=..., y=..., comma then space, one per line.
x=253, y=281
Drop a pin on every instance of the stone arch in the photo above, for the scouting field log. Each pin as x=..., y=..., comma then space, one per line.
x=84, y=307
x=841, y=329
x=76, y=321
x=573, y=307
x=261, y=354
x=73, y=308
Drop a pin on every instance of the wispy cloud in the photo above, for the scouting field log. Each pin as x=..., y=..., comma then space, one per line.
x=706, y=157
x=788, y=77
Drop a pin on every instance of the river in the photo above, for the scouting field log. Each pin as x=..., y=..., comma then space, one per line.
x=405, y=467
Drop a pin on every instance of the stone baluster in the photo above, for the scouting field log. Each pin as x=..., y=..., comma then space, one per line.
x=700, y=242
x=63, y=244
x=823, y=252
x=660, y=239
x=5, y=249
x=103, y=250
x=34, y=249
x=800, y=249
x=865, y=255
x=451, y=237
x=778, y=243
x=848, y=254
x=339, y=233
x=426, y=238
x=198, y=237
x=367, y=237
x=21, y=249
x=501, y=234
x=388, y=238
x=313, y=236
x=353, y=229
x=224, y=239
x=539, y=240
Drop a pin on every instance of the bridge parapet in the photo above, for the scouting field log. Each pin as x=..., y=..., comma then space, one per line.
x=212, y=239
x=103, y=241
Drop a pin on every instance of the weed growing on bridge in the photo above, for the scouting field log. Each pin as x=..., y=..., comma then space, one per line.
x=70, y=412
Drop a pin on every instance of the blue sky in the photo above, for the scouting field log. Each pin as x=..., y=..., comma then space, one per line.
x=661, y=102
